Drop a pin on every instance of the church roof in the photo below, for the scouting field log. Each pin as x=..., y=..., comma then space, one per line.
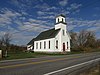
x=61, y=15
x=45, y=35
x=31, y=42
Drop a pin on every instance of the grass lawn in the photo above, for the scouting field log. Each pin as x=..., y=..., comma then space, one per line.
x=22, y=55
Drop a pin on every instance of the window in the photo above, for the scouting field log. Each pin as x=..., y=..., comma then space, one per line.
x=33, y=45
x=67, y=45
x=40, y=45
x=56, y=44
x=44, y=44
x=63, y=46
x=36, y=45
x=62, y=19
x=63, y=32
x=58, y=19
x=49, y=44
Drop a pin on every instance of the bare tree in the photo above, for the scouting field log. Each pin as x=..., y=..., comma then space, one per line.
x=6, y=39
x=73, y=39
x=91, y=40
x=0, y=43
x=86, y=40
x=98, y=43
x=82, y=38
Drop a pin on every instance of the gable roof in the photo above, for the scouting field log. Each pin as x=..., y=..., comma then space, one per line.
x=68, y=34
x=31, y=42
x=45, y=35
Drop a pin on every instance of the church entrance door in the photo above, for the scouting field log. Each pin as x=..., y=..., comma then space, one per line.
x=63, y=46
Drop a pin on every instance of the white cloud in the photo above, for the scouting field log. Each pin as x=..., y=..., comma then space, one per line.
x=15, y=2
x=7, y=16
x=21, y=39
x=74, y=6
x=46, y=17
x=23, y=4
x=63, y=2
x=40, y=13
x=43, y=6
x=97, y=8
x=96, y=15
x=41, y=0
x=65, y=12
x=46, y=13
x=51, y=8
x=96, y=29
x=98, y=35
x=37, y=21
x=71, y=27
x=45, y=9
x=34, y=25
x=92, y=25
x=2, y=33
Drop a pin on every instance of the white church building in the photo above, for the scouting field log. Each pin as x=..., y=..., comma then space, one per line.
x=53, y=40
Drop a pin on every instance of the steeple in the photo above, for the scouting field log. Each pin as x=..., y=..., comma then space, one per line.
x=60, y=22
x=60, y=19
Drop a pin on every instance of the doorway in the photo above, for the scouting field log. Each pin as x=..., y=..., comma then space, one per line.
x=63, y=46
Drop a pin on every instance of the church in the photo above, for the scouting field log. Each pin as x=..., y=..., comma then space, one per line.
x=53, y=40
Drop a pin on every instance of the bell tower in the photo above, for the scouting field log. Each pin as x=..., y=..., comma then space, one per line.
x=60, y=19
x=60, y=22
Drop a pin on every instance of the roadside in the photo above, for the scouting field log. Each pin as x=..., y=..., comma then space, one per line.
x=93, y=71
x=24, y=55
x=43, y=65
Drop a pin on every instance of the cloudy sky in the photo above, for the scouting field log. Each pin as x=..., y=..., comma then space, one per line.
x=25, y=19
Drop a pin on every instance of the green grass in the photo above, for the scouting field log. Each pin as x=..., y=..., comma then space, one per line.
x=22, y=55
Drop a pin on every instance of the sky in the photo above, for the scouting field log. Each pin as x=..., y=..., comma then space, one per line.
x=25, y=19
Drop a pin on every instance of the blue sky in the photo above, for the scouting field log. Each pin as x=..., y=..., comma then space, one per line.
x=25, y=19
